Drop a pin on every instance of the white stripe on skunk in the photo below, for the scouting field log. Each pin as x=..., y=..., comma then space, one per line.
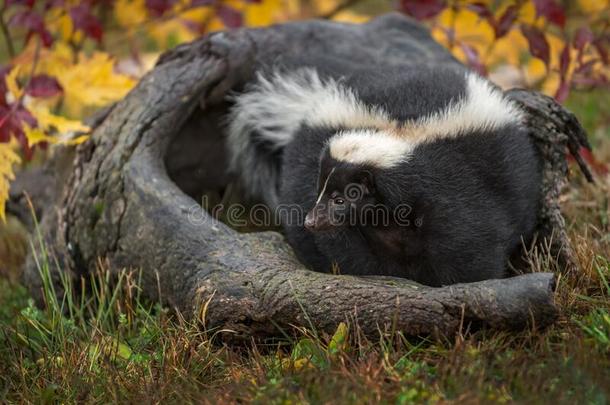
x=483, y=109
x=276, y=107
x=377, y=148
x=272, y=110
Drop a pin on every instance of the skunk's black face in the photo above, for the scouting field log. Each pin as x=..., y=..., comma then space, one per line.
x=344, y=192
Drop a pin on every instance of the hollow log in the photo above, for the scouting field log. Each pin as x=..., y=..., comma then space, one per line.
x=130, y=197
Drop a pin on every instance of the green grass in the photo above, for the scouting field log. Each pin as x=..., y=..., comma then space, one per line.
x=113, y=346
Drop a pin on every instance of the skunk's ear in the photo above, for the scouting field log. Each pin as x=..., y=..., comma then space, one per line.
x=367, y=179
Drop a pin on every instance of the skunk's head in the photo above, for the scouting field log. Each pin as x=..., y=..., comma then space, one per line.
x=344, y=191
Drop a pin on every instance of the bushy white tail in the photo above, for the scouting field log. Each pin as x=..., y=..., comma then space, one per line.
x=268, y=115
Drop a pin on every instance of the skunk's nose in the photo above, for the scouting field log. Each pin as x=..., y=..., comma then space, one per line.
x=316, y=221
x=310, y=221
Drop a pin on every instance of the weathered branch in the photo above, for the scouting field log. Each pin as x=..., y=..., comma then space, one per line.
x=555, y=131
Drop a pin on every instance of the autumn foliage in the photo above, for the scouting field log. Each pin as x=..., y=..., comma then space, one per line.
x=552, y=46
x=66, y=58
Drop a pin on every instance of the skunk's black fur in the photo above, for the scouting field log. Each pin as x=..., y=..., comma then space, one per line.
x=471, y=196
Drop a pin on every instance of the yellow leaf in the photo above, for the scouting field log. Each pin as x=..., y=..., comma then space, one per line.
x=535, y=71
x=11, y=83
x=8, y=158
x=508, y=49
x=351, y=17
x=64, y=137
x=264, y=13
x=215, y=24
x=56, y=361
x=130, y=13
x=66, y=28
x=593, y=6
x=170, y=33
x=91, y=82
x=469, y=28
x=527, y=13
x=297, y=365
x=51, y=122
x=58, y=20
x=36, y=135
x=174, y=31
x=325, y=6
x=78, y=140
x=551, y=83
x=292, y=7
x=439, y=36
x=556, y=45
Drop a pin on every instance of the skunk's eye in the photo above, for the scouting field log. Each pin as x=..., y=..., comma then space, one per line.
x=339, y=200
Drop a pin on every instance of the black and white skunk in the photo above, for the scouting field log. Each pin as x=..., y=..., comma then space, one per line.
x=422, y=173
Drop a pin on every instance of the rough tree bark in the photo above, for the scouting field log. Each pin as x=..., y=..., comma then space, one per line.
x=130, y=197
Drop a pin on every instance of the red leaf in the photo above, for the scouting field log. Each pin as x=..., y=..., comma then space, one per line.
x=551, y=10
x=24, y=115
x=11, y=123
x=481, y=10
x=47, y=38
x=422, y=9
x=28, y=152
x=43, y=86
x=49, y=4
x=84, y=20
x=562, y=91
x=28, y=19
x=20, y=116
x=159, y=7
x=3, y=89
x=564, y=61
x=33, y=22
x=599, y=167
x=26, y=3
x=229, y=16
x=192, y=26
x=5, y=133
x=586, y=68
x=102, y=3
x=506, y=21
x=472, y=56
x=582, y=37
x=539, y=47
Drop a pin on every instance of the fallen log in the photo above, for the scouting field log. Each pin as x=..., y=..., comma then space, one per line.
x=131, y=195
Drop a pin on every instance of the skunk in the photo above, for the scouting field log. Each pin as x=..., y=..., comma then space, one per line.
x=425, y=173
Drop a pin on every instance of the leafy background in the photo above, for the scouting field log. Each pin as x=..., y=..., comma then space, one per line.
x=63, y=59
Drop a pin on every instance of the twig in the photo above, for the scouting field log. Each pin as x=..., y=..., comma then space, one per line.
x=34, y=63
x=7, y=36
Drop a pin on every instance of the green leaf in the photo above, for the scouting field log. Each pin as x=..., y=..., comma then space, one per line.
x=338, y=343
x=307, y=350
